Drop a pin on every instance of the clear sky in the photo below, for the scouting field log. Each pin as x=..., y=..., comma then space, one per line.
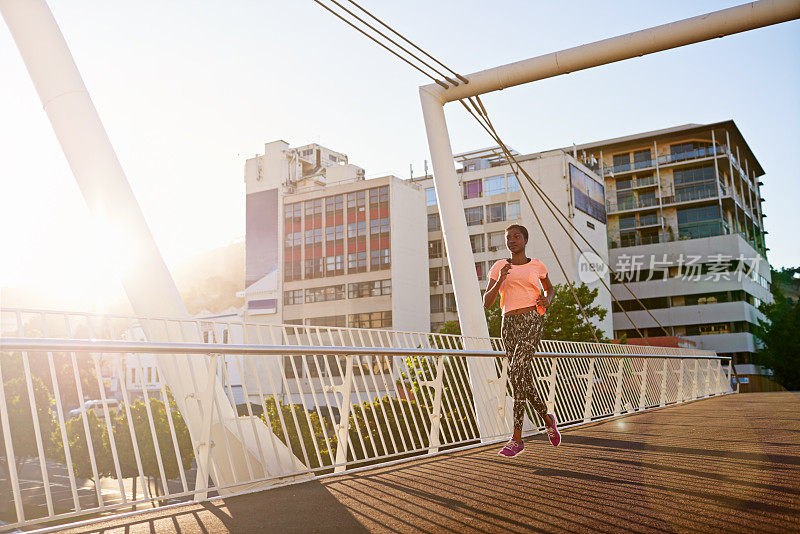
x=188, y=90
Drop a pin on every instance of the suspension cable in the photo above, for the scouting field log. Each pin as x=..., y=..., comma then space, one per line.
x=349, y=23
x=482, y=118
x=457, y=75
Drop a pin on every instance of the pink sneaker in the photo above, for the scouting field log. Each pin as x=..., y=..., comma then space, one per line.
x=553, y=433
x=512, y=449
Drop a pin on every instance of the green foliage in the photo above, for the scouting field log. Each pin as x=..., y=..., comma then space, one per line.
x=309, y=434
x=79, y=446
x=564, y=321
x=20, y=418
x=145, y=442
x=780, y=349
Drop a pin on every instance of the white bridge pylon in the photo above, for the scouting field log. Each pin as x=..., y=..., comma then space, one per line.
x=209, y=416
x=454, y=229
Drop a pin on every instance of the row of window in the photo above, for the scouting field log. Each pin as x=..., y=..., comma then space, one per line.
x=481, y=187
x=687, y=300
x=379, y=260
x=498, y=212
x=733, y=327
x=356, y=201
x=491, y=241
x=380, y=319
x=373, y=288
x=441, y=275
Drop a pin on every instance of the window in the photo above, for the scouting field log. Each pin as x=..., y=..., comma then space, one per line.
x=447, y=279
x=437, y=303
x=291, y=270
x=330, y=320
x=333, y=158
x=647, y=199
x=450, y=302
x=496, y=240
x=624, y=183
x=357, y=229
x=374, y=288
x=379, y=227
x=474, y=215
x=314, y=237
x=477, y=243
x=380, y=259
x=334, y=204
x=292, y=240
x=334, y=233
x=334, y=265
x=473, y=189
x=356, y=201
x=694, y=183
x=627, y=222
x=495, y=185
x=379, y=197
x=307, y=152
x=480, y=270
x=641, y=159
x=292, y=213
x=434, y=223
x=313, y=207
x=699, y=222
x=293, y=297
x=513, y=183
x=435, y=248
x=496, y=212
x=512, y=210
x=314, y=267
x=324, y=294
x=589, y=195
x=435, y=275
x=371, y=320
x=357, y=262
x=622, y=162
x=430, y=196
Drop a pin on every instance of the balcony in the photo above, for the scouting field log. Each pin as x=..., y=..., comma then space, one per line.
x=681, y=157
x=632, y=204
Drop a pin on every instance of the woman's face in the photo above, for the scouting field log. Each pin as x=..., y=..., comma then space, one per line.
x=515, y=241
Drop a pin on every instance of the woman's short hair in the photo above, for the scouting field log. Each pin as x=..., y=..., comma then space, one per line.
x=519, y=227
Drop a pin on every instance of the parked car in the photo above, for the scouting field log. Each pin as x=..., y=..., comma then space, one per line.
x=96, y=406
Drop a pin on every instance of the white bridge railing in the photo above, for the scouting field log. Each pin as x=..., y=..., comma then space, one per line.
x=93, y=429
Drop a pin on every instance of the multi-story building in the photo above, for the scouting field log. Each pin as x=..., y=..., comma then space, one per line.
x=326, y=247
x=685, y=229
x=493, y=200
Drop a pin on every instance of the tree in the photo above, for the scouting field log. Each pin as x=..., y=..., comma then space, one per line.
x=145, y=443
x=79, y=446
x=780, y=350
x=563, y=322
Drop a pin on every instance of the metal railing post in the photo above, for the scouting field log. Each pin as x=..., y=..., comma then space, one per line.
x=436, y=414
x=680, y=382
x=343, y=428
x=643, y=385
x=618, y=389
x=662, y=400
x=587, y=405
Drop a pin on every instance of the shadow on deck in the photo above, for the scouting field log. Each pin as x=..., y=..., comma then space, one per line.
x=723, y=464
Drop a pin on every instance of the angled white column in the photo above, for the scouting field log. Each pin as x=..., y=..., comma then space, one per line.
x=107, y=193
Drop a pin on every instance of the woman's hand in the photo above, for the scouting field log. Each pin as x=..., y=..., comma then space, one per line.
x=543, y=301
x=504, y=272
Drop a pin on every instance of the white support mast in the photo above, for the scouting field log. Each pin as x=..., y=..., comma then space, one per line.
x=149, y=286
x=433, y=98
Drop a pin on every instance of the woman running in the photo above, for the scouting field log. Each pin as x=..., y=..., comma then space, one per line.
x=517, y=281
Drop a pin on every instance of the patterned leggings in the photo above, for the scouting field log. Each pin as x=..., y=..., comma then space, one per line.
x=521, y=334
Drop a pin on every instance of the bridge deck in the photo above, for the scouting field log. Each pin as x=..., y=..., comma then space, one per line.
x=724, y=464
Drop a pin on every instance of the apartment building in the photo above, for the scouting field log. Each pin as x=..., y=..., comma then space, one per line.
x=686, y=230
x=326, y=247
x=492, y=200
